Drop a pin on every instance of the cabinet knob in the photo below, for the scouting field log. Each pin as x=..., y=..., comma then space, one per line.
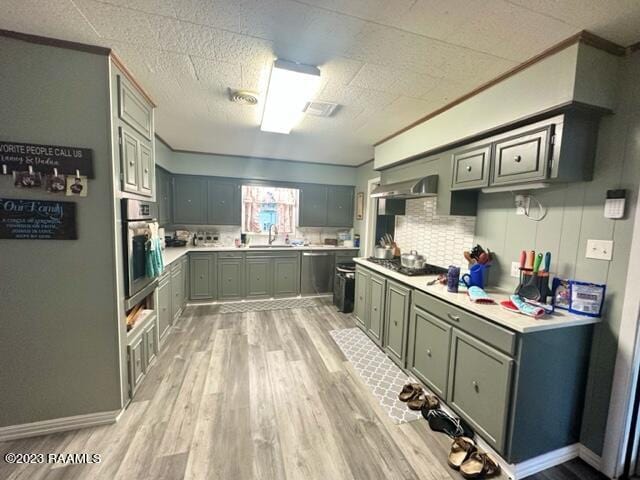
x=201, y=277
x=517, y=159
x=476, y=387
x=131, y=162
x=395, y=322
x=428, y=352
x=468, y=168
x=375, y=309
x=146, y=170
x=455, y=318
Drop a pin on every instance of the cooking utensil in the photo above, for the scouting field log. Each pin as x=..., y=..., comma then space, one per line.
x=523, y=259
x=413, y=260
x=531, y=290
x=531, y=254
x=537, y=263
x=383, y=253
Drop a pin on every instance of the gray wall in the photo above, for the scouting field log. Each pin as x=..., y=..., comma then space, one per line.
x=364, y=173
x=575, y=214
x=59, y=341
x=255, y=168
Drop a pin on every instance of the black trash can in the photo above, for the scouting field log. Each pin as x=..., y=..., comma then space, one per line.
x=344, y=286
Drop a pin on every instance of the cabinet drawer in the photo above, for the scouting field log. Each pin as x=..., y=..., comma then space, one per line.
x=133, y=109
x=471, y=168
x=480, y=387
x=499, y=337
x=522, y=158
x=230, y=254
x=429, y=348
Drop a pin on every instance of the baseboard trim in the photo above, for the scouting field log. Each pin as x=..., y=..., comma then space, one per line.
x=544, y=461
x=45, y=427
x=589, y=457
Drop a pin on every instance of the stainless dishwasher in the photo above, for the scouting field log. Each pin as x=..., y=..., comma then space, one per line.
x=317, y=273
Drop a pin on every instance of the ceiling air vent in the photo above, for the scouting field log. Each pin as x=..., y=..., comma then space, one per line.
x=243, y=97
x=320, y=109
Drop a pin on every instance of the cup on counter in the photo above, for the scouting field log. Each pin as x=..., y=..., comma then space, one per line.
x=453, y=278
x=477, y=276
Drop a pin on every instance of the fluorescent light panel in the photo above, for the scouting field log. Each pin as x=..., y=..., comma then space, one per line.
x=291, y=87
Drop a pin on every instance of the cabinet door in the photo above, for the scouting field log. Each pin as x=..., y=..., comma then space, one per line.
x=202, y=272
x=375, y=305
x=258, y=278
x=360, y=309
x=176, y=291
x=286, y=277
x=133, y=109
x=190, y=200
x=185, y=281
x=522, y=158
x=471, y=168
x=129, y=153
x=136, y=358
x=146, y=169
x=223, y=203
x=164, y=307
x=313, y=206
x=340, y=207
x=230, y=278
x=163, y=196
x=151, y=344
x=480, y=386
x=396, y=319
x=428, y=353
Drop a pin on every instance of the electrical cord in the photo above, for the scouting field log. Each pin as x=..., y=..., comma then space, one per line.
x=541, y=208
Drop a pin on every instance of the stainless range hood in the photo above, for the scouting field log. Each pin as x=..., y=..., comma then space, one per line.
x=421, y=187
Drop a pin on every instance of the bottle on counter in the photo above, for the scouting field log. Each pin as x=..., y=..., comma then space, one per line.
x=453, y=278
x=286, y=239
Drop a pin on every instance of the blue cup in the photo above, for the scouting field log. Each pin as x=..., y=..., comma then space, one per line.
x=476, y=276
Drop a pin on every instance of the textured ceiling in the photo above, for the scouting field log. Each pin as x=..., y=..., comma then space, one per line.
x=387, y=63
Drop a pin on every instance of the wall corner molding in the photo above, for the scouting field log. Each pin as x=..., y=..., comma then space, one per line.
x=45, y=427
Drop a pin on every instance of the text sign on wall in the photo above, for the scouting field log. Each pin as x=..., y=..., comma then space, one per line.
x=22, y=219
x=44, y=158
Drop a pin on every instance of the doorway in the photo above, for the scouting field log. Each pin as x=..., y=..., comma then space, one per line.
x=371, y=214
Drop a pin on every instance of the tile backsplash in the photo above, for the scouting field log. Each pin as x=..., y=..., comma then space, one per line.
x=442, y=239
x=228, y=234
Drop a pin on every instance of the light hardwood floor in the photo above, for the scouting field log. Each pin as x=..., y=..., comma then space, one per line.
x=259, y=395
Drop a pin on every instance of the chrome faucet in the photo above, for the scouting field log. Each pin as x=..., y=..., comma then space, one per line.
x=275, y=232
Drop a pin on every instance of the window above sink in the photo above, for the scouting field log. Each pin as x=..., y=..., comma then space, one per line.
x=265, y=206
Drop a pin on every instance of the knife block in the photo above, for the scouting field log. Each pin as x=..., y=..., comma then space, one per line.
x=541, y=282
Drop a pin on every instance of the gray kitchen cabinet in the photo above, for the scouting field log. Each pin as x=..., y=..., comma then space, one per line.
x=151, y=342
x=523, y=157
x=480, y=386
x=428, y=351
x=396, y=319
x=376, y=305
x=286, y=276
x=259, y=277
x=134, y=109
x=361, y=300
x=313, y=205
x=165, y=317
x=317, y=272
x=129, y=153
x=340, y=203
x=230, y=276
x=223, y=202
x=202, y=274
x=471, y=167
x=177, y=290
x=136, y=361
x=146, y=170
x=163, y=195
x=185, y=277
x=189, y=200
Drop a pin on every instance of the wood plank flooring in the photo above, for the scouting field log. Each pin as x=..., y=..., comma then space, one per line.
x=258, y=395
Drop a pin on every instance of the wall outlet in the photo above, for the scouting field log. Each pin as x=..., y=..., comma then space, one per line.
x=515, y=269
x=522, y=204
x=600, y=249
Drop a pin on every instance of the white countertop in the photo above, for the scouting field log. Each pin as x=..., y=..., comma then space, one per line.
x=171, y=254
x=494, y=313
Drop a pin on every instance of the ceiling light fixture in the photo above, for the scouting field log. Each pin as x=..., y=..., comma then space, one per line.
x=291, y=87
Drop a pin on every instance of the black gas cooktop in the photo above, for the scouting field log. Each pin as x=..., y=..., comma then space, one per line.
x=396, y=266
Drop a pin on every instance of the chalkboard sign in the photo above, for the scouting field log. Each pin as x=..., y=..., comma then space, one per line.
x=22, y=219
x=19, y=157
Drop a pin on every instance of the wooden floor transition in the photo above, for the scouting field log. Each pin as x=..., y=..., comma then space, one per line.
x=258, y=395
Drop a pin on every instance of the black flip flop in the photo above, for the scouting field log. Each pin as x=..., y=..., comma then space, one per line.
x=441, y=421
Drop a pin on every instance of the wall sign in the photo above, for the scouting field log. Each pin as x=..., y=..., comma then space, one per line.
x=44, y=158
x=22, y=219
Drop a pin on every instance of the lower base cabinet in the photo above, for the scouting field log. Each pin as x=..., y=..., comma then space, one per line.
x=177, y=290
x=202, y=276
x=142, y=348
x=230, y=276
x=286, y=276
x=376, y=305
x=258, y=277
x=360, y=309
x=165, y=314
x=396, y=319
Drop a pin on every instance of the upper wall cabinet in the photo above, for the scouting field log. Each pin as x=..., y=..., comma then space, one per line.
x=189, y=200
x=557, y=149
x=223, y=202
x=164, y=190
x=133, y=120
x=326, y=206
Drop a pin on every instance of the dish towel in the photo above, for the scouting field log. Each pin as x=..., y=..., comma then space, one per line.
x=154, y=263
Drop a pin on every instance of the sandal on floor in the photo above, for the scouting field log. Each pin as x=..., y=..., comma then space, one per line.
x=479, y=465
x=409, y=391
x=441, y=421
x=422, y=401
x=461, y=449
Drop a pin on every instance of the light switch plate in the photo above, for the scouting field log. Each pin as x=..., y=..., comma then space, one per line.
x=600, y=249
x=515, y=269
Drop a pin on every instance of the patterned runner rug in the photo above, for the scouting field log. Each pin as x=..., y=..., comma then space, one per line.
x=271, y=304
x=379, y=373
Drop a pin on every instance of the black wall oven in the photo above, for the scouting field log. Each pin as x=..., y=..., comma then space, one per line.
x=137, y=216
